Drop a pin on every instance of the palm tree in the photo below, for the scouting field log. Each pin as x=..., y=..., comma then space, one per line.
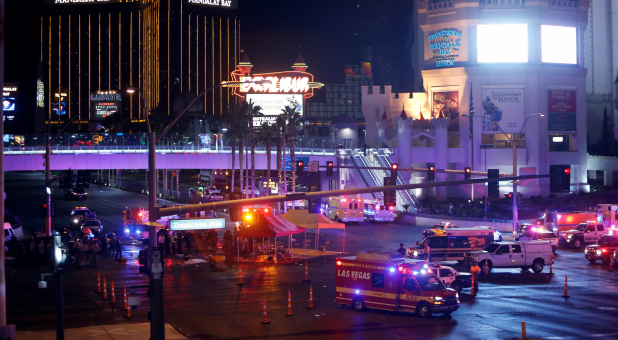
x=251, y=111
x=293, y=121
x=235, y=135
x=267, y=135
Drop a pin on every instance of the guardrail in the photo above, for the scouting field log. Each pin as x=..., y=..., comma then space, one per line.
x=30, y=150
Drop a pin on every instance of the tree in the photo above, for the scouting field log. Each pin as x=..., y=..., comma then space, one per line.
x=250, y=111
x=267, y=135
x=294, y=121
x=235, y=136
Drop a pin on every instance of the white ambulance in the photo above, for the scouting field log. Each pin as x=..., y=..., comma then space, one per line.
x=345, y=209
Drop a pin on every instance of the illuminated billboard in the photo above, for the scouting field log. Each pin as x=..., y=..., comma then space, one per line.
x=559, y=44
x=79, y=2
x=226, y=4
x=290, y=82
x=273, y=104
x=10, y=94
x=505, y=109
x=506, y=43
x=104, y=104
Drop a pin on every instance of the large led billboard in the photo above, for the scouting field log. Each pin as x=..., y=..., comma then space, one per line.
x=273, y=104
x=507, y=43
x=559, y=44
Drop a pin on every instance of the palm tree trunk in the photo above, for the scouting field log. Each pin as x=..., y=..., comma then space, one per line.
x=241, y=157
x=268, y=154
x=233, y=165
x=279, y=171
x=252, y=141
x=292, y=157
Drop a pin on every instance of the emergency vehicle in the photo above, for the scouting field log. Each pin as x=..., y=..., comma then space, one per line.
x=135, y=224
x=345, y=209
x=563, y=221
x=607, y=214
x=375, y=210
x=390, y=282
x=452, y=244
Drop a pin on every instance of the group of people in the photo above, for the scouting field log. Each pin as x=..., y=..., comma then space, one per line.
x=171, y=243
x=86, y=251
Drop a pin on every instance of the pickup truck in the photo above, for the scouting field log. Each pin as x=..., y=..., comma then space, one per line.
x=584, y=233
x=524, y=255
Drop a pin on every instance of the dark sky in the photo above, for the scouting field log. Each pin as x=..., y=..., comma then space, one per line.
x=274, y=31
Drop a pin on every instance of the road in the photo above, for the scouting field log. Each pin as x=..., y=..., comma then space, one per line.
x=203, y=302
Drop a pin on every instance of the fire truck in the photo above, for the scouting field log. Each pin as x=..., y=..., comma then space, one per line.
x=391, y=282
x=375, y=210
x=563, y=221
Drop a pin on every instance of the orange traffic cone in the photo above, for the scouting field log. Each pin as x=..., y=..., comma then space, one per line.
x=113, y=293
x=128, y=316
x=98, y=283
x=566, y=296
x=104, y=289
x=551, y=265
x=265, y=321
x=310, y=297
x=306, y=272
x=240, y=276
x=126, y=302
x=289, y=304
x=486, y=269
x=472, y=292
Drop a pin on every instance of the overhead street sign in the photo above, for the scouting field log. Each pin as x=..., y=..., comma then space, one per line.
x=197, y=224
x=314, y=166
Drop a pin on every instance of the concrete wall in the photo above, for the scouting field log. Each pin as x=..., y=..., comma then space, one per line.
x=428, y=222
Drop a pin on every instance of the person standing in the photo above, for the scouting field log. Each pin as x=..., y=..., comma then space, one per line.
x=118, y=248
x=112, y=245
x=161, y=243
x=401, y=249
x=188, y=242
x=215, y=241
x=427, y=250
x=179, y=244
x=104, y=250
x=173, y=241
x=94, y=250
x=167, y=241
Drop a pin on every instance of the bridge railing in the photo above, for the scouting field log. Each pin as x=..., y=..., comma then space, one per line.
x=26, y=150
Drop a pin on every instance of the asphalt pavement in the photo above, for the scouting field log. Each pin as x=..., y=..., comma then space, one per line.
x=204, y=302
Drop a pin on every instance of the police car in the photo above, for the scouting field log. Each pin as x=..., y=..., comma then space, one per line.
x=584, y=233
x=78, y=215
x=452, y=278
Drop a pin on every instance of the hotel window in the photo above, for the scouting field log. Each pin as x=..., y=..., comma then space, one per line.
x=559, y=142
x=500, y=141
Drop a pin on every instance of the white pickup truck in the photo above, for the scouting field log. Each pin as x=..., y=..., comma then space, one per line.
x=524, y=255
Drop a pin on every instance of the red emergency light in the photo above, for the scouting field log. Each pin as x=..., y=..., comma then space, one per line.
x=468, y=170
x=394, y=166
x=567, y=171
x=432, y=168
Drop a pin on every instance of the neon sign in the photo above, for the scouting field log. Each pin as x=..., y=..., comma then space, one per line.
x=229, y=4
x=289, y=82
x=444, y=45
x=79, y=2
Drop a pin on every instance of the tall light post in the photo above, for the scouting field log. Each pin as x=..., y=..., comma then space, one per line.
x=514, y=140
x=157, y=305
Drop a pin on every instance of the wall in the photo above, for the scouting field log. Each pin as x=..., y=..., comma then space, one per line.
x=426, y=221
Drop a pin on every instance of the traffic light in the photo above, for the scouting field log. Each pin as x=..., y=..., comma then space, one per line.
x=329, y=169
x=44, y=209
x=493, y=189
x=394, y=168
x=142, y=260
x=235, y=211
x=299, y=168
x=389, y=196
x=560, y=181
x=467, y=172
x=509, y=196
x=431, y=172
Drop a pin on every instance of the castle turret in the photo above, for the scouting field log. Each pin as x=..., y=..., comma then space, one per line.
x=383, y=124
x=404, y=137
x=300, y=65
x=244, y=65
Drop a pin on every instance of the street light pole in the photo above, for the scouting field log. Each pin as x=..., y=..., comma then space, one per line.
x=514, y=140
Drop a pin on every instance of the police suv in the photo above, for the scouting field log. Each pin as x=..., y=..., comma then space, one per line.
x=584, y=233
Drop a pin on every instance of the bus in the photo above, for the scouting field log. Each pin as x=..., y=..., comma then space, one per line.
x=345, y=209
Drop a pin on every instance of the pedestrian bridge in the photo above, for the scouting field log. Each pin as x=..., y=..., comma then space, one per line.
x=136, y=157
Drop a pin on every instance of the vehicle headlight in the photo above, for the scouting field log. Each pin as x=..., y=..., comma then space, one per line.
x=126, y=230
x=139, y=232
x=568, y=237
x=438, y=298
x=598, y=253
x=415, y=253
x=75, y=220
x=457, y=295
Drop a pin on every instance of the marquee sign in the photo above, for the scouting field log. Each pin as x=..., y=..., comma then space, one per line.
x=288, y=82
x=227, y=4
x=79, y=2
x=444, y=45
x=105, y=103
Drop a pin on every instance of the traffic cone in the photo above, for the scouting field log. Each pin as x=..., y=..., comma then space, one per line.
x=551, y=265
x=113, y=293
x=265, y=321
x=104, y=289
x=566, y=296
x=486, y=269
x=128, y=316
x=240, y=276
x=472, y=292
x=126, y=302
x=310, y=297
x=306, y=272
x=98, y=283
x=289, y=304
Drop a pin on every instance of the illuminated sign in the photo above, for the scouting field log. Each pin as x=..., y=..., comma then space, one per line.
x=197, y=224
x=504, y=107
x=105, y=103
x=502, y=43
x=228, y=4
x=40, y=93
x=10, y=94
x=273, y=104
x=561, y=110
x=444, y=45
x=290, y=82
x=79, y=2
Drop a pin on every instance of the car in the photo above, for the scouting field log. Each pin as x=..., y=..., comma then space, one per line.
x=442, y=226
x=584, y=233
x=78, y=215
x=93, y=225
x=76, y=193
x=452, y=278
x=540, y=235
x=518, y=254
x=8, y=232
x=603, y=249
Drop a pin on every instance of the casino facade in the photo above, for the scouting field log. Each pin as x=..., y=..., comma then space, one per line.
x=170, y=49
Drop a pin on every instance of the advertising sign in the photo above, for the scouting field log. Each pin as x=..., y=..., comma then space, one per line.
x=226, y=4
x=273, y=104
x=505, y=107
x=288, y=163
x=104, y=103
x=197, y=224
x=444, y=45
x=10, y=94
x=290, y=82
x=448, y=103
x=79, y=2
x=502, y=43
x=561, y=110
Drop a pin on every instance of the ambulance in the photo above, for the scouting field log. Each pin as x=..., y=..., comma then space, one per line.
x=345, y=209
x=563, y=221
x=375, y=210
x=390, y=282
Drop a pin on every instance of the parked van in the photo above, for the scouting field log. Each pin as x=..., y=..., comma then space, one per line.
x=452, y=244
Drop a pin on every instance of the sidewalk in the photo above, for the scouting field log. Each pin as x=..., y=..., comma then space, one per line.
x=136, y=331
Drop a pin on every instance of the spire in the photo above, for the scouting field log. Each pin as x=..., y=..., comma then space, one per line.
x=299, y=64
x=403, y=113
x=244, y=65
x=385, y=116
